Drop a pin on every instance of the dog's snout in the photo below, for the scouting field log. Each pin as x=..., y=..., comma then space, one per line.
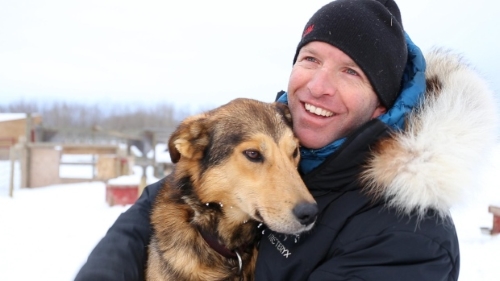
x=306, y=212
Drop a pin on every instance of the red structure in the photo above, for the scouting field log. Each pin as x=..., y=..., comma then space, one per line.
x=121, y=194
x=496, y=219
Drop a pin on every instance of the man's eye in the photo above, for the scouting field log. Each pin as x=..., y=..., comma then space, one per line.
x=311, y=59
x=351, y=71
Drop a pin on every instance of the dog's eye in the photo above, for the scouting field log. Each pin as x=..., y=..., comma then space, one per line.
x=295, y=152
x=253, y=155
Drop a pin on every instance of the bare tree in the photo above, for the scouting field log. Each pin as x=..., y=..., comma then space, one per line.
x=123, y=118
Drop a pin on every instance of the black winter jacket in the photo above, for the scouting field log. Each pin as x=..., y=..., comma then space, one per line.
x=355, y=237
x=393, y=225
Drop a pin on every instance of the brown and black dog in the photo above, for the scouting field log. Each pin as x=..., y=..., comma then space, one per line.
x=236, y=168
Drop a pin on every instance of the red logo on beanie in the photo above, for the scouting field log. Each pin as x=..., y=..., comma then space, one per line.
x=308, y=30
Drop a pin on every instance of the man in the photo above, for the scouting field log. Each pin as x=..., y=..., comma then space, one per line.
x=383, y=156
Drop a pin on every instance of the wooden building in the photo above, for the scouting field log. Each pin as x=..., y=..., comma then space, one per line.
x=13, y=126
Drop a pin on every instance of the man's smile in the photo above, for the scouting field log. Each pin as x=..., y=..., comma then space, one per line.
x=317, y=110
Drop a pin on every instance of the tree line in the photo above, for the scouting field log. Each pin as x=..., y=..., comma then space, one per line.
x=119, y=117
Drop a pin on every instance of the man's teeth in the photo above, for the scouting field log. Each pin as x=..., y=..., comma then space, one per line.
x=318, y=111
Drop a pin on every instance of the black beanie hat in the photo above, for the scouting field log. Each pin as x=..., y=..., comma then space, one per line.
x=371, y=33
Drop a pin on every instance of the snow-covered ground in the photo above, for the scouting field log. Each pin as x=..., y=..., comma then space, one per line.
x=47, y=233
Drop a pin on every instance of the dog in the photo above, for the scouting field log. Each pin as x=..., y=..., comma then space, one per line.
x=235, y=169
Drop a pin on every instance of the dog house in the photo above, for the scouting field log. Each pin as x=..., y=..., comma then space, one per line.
x=124, y=190
x=121, y=194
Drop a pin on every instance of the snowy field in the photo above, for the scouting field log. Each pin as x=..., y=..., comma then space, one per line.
x=47, y=233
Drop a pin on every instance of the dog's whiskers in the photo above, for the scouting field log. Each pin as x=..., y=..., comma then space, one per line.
x=296, y=236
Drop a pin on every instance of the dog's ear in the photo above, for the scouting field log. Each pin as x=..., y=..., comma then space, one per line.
x=284, y=111
x=189, y=139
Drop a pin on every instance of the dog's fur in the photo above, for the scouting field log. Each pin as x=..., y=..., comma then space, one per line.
x=236, y=167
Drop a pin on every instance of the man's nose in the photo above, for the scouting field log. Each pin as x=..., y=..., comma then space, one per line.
x=321, y=83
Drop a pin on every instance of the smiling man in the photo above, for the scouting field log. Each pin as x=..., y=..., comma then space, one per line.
x=389, y=142
x=329, y=95
x=380, y=149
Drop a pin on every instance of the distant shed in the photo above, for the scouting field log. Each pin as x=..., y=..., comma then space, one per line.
x=13, y=126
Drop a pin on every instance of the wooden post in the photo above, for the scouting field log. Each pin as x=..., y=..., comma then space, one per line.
x=143, y=182
x=27, y=151
x=117, y=165
x=155, y=164
x=94, y=168
x=12, y=166
x=23, y=148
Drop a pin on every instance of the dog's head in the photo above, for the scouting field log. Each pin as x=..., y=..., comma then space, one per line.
x=244, y=156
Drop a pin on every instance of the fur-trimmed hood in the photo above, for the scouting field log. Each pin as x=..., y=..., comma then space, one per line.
x=431, y=163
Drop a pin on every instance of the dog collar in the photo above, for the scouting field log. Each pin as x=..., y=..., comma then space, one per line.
x=213, y=242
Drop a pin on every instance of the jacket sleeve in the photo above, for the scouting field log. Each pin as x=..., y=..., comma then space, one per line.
x=121, y=254
x=390, y=257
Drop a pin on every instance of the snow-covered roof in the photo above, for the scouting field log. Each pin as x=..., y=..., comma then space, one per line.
x=13, y=116
x=130, y=180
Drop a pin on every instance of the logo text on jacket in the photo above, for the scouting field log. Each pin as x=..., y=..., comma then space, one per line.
x=280, y=247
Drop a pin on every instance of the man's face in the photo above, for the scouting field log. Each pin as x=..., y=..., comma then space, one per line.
x=329, y=95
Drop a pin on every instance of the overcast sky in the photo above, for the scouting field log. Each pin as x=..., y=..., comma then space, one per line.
x=196, y=53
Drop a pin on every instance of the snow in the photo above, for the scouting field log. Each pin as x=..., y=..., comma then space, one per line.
x=162, y=155
x=11, y=116
x=76, y=171
x=47, y=233
x=135, y=178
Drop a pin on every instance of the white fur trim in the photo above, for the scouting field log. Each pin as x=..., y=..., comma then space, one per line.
x=431, y=163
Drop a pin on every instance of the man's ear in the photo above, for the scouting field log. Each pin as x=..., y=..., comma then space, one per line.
x=379, y=110
x=189, y=139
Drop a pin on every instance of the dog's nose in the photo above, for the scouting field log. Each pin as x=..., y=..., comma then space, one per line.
x=306, y=212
